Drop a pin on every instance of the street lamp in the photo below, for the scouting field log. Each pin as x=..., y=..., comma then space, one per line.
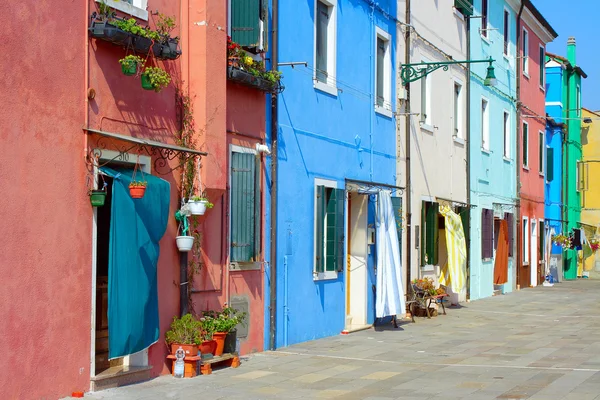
x=414, y=72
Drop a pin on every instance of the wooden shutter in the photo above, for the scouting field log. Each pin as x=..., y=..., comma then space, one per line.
x=334, y=246
x=245, y=22
x=487, y=233
x=340, y=202
x=243, y=203
x=511, y=233
x=320, y=231
x=380, y=70
x=322, y=21
x=397, y=205
x=464, y=6
x=431, y=233
x=549, y=164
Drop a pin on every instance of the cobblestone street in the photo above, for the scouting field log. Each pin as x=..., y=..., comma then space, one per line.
x=539, y=343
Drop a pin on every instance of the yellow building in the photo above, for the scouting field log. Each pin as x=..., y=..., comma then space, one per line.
x=589, y=179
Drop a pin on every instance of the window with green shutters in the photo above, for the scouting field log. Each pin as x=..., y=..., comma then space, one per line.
x=245, y=207
x=464, y=6
x=329, y=235
x=245, y=22
x=429, y=233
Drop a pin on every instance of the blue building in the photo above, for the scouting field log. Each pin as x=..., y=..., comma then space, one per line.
x=336, y=148
x=493, y=150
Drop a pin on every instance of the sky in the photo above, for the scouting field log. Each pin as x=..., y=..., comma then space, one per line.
x=581, y=19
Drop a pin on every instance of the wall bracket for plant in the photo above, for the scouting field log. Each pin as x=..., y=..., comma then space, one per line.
x=161, y=153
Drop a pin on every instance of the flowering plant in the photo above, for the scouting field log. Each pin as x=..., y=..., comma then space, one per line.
x=594, y=245
x=238, y=58
x=425, y=285
x=226, y=320
x=562, y=241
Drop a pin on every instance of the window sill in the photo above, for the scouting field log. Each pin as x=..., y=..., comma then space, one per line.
x=543, y=89
x=485, y=39
x=542, y=175
x=426, y=127
x=526, y=168
x=325, y=276
x=486, y=151
x=506, y=57
x=127, y=8
x=526, y=75
x=459, y=141
x=490, y=259
x=458, y=14
x=507, y=160
x=323, y=87
x=383, y=111
x=245, y=266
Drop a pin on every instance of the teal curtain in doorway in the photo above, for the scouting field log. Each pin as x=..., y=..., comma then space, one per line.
x=136, y=227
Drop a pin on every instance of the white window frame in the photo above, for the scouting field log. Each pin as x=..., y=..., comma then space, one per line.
x=526, y=240
x=506, y=142
x=525, y=54
x=458, y=106
x=507, y=53
x=386, y=110
x=542, y=69
x=136, y=9
x=485, y=124
x=484, y=29
x=326, y=275
x=426, y=120
x=331, y=86
x=578, y=100
x=542, y=166
x=578, y=165
x=525, y=148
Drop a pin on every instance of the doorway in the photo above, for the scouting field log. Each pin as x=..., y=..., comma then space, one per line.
x=534, y=253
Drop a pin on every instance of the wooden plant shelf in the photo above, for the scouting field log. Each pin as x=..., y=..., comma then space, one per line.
x=226, y=360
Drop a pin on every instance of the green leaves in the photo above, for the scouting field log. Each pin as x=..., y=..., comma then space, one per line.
x=159, y=78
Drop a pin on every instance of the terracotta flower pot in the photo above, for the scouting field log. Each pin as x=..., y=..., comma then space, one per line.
x=137, y=192
x=219, y=337
x=191, y=350
x=208, y=347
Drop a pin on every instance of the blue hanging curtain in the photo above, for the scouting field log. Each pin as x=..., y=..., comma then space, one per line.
x=136, y=227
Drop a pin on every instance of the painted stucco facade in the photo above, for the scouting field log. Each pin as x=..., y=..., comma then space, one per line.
x=535, y=33
x=327, y=132
x=492, y=165
x=590, y=142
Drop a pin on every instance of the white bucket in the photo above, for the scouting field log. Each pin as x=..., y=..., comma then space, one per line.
x=197, y=207
x=184, y=243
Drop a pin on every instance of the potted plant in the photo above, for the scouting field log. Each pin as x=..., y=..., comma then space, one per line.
x=166, y=47
x=199, y=204
x=155, y=78
x=207, y=329
x=185, y=242
x=224, y=326
x=137, y=189
x=97, y=197
x=130, y=64
x=184, y=333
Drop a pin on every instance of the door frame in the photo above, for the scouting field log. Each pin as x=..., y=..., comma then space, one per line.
x=534, y=251
x=140, y=358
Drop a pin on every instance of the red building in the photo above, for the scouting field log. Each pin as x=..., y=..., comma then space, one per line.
x=534, y=33
x=74, y=121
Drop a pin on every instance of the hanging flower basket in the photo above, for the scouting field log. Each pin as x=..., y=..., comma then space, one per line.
x=137, y=189
x=184, y=243
x=167, y=50
x=198, y=205
x=146, y=84
x=97, y=197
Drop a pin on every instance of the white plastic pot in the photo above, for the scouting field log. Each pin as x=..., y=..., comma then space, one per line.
x=184, y=243
x=197, y=207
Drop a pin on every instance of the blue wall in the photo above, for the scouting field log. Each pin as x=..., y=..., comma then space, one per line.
x=328, y=137
x=492, y=178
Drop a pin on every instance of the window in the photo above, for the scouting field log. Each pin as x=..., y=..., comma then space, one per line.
x=135, y=8
x=525, y=241
x=542, y=68
x=329, y=230
x=506, y=31
x=525, y=145
x=383, y=73
x=465, y=7
x=245, y=206
x=578, y=99
x=510, y=221
x=487, y=233
x=426, y=100
x=325, y=45
x=581, y=176
x=506, y=135
x=458, y=111
x=484, y=18
x=525, y=52
x=549, y=164
x=246, y=26
x=485, y=125
x=429, y=232
x=541, y=151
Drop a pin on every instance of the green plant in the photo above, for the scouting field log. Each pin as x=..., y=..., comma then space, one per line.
x=130, y=25
x=272, y=76
x=207, y=328
x=184, y=330
x=104, y=9
x=159, y=78
x=165, y=25
x=227, y=319
x=201, y=198
x=138, y=184
x=240, y=59
x=131, y=59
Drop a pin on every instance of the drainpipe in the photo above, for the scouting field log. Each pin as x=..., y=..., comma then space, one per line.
x=468, y=147
x=273, y=216
x=407, y=127
x=519, y=263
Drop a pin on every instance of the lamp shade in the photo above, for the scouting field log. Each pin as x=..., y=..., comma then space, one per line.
x=490, y=78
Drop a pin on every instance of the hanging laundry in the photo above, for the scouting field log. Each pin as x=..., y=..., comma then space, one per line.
x=454, y=274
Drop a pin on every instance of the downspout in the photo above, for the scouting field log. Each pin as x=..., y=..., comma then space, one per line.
x=407, y=133
x=519, y=263
x=468, y=153
x=273, y=216
x=372, y=96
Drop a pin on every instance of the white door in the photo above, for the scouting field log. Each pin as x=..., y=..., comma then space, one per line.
x=534, y=252
x=356, y=304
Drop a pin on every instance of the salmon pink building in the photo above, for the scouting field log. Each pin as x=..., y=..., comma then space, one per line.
x=534, y=33
x=92, y=282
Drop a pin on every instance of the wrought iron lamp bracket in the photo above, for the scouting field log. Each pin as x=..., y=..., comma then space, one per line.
x=413, y=72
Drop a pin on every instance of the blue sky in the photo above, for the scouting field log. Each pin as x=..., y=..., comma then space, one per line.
x=581, y=19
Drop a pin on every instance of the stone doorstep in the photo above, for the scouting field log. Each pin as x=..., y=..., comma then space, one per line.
x=119, y=376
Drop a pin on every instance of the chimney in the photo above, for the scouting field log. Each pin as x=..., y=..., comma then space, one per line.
x=571, y=50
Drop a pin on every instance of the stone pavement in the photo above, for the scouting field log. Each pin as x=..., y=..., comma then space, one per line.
x=540, y=343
